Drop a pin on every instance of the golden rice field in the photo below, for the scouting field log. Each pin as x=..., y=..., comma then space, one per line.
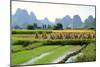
x=55, y=34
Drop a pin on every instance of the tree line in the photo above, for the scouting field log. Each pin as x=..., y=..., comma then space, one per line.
x=58, y=26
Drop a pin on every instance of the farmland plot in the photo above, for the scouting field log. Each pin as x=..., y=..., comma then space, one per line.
x=65, y=33
x=47, y=47
x=26, y=55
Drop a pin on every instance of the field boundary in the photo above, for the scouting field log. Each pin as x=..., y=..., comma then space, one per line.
x=72, y=54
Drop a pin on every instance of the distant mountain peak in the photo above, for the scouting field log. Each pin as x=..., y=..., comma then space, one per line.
x=67, y=16
x=90, y=19
x=46, y=19
x=90, y=16
x=21, y=19
x=77, y=22
x=31, y=13
x=76, y=16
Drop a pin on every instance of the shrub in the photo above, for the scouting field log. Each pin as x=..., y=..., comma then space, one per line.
x=67, y=42
x=23, y=42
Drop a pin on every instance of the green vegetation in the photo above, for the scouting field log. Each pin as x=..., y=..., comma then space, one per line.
x=30, y=27
x=17, y=47
x=55, y=54
x=27, y=44
x=88, y=54
x=58, y=26
x=69, y=42
x=30, y=31
x=25, y=31
x=26, y=55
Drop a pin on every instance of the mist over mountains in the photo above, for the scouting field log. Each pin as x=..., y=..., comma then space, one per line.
x=21, y=19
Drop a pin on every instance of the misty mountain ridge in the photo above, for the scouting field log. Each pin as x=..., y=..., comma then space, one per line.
x=21, y=18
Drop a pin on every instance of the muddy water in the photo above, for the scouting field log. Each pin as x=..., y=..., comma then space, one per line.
x=73, y=58
x=61, y=57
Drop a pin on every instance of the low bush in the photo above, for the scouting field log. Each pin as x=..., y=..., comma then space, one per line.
x=25, y=45
x=68, y=42
x=22, y=42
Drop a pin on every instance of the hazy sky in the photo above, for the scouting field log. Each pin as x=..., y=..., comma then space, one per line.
x=53, y=11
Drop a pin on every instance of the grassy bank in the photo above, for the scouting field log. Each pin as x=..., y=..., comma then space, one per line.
x=88, y=54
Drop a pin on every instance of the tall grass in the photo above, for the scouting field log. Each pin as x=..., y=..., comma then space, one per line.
x=88, y=54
